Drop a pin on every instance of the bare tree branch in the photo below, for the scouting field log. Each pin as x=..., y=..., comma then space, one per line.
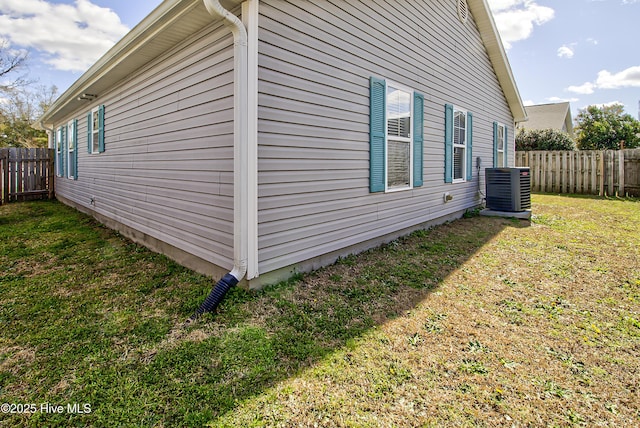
x=10, y=63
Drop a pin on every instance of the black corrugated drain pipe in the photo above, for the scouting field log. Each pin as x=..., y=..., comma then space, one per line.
x=215, y=297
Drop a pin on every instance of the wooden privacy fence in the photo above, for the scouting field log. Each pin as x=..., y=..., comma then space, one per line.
x=606, y=172
x=26, y=174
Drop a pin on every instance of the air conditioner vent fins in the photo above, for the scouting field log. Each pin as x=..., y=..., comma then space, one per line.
x=508, y=189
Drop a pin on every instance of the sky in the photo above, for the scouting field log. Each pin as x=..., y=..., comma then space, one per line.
x=583, y=51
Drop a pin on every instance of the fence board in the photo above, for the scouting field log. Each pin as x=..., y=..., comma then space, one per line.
x=26, y=174
x=4, y=175
x=632, y=172
x=607, y=172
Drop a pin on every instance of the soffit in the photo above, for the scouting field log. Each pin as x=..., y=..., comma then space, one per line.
x=169, y=24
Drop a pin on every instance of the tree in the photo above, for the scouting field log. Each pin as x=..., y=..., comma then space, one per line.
x=10, y=64
x=607, y=128
x=543, y=139
x=21, y=104
x=19, y=110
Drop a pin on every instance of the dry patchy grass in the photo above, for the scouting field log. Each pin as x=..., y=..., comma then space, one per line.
x=478, y=322
x=538, y=327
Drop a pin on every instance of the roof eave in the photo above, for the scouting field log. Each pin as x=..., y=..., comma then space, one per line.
x=120, y=60
x=497, y=55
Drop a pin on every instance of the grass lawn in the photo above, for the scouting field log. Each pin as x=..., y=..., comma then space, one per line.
x=478, y=322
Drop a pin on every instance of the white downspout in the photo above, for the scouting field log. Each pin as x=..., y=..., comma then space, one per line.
x=245, y=150
x=49, y=132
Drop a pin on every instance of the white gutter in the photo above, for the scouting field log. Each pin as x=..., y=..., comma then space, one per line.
x=245, y=149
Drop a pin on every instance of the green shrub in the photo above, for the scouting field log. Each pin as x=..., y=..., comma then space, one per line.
x=543, y=139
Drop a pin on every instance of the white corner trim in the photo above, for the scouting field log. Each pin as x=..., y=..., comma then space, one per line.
x=250, y=17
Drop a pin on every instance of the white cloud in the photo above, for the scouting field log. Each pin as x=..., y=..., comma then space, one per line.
x=565, y=51
x=562, y=100
x=584, y=89
x=71, y=37
x=516, y=19
x=628, y=78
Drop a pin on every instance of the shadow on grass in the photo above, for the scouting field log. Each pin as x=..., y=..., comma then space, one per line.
x=103, y=324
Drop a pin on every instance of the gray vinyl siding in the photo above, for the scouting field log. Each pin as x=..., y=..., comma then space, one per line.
x=315, y=59
x=167, y=170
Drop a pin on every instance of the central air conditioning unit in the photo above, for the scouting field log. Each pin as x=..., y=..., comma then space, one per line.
x=508, y=189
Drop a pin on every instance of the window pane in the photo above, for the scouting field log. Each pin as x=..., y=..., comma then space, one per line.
x=72, y=165
x=459, y=128
x=398, y=167
x=71, y=141
x=95, y=143
x=458, y=163
x=398, y=112
x=500, y=138
x=500, y=158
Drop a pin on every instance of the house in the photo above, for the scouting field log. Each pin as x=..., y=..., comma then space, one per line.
x=549, y=116
x=272, y=136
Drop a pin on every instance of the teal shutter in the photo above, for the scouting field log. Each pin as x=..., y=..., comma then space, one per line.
x=75, y=149
x=506, y=139
x=101, y=129
x=377, y=137
x=469, y=146
x=55, y=144
x=418, y=139
x=448, y=143
x=89, y=142
x=495, y=145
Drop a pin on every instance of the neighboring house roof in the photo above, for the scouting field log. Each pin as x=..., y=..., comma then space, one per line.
x=550, y=116
x=173, y=20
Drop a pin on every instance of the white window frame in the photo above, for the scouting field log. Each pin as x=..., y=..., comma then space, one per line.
x=464, y=146
x=502, y=129
x=95, y=131
x=72, y=146
x=408, y=140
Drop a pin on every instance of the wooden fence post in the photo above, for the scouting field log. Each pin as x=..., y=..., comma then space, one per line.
x=621, y=166
x=611, y=173
x=601, y=174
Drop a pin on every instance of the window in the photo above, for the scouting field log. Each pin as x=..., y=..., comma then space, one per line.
x=59, y=153
x=95, y=130
x=72, y=152
x=500, y=158
x=396, y=137
x=458, y=145
x=71, y=146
